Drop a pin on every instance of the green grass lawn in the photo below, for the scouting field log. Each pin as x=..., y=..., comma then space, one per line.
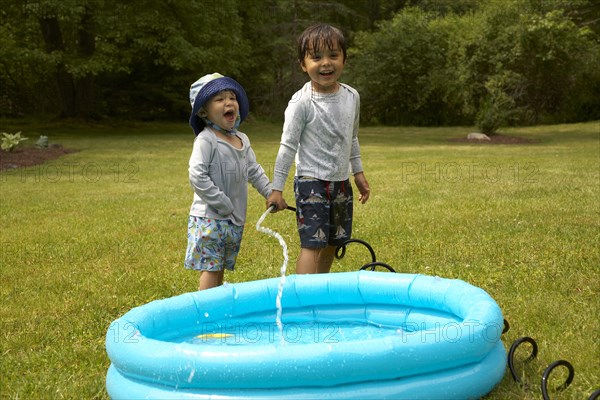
x=93, y=234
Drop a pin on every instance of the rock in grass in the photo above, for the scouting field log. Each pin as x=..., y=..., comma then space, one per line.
x=42, y=142
x=478, y=136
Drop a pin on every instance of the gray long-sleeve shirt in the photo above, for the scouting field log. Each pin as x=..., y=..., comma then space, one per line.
x=219, y=174
x=320, y=133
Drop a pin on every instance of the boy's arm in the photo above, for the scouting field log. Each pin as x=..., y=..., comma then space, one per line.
x=355, y=160
x=293, y=127
x=257, y=176
x=363, y=187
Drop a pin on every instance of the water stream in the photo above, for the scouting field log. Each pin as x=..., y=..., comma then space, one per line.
x=277, y=236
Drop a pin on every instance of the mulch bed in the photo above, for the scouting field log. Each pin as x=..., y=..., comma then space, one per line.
x=497, y=139
x=28, y=156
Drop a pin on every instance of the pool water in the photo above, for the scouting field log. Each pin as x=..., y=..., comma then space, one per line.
x=293, y=333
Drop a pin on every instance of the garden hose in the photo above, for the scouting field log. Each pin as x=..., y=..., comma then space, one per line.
x=547, y=371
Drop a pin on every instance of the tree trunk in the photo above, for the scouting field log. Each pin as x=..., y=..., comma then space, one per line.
x=85, y=96
x=76, y=96
x=64, y=81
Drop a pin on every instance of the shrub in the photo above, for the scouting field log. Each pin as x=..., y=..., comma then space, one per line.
x=10, y=141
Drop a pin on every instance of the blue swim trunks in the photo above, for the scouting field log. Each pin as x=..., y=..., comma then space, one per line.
x=323, y=212
x=213, y=244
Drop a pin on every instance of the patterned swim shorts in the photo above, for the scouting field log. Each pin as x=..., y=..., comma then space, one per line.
x=324, y=212
x=213, y=244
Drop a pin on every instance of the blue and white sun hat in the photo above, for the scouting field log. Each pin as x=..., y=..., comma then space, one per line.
x=206, y=87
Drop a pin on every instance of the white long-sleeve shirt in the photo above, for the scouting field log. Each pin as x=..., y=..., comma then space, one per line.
x=320, y=133
x=219, y=174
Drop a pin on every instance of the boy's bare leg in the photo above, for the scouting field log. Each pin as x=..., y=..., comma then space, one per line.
x=210, y=279
x=315, y=261
x=307, y=261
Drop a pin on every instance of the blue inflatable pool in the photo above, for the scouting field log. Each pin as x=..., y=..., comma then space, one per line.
x=345, y=335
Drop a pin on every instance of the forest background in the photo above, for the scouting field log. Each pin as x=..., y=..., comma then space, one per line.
x=415, y=62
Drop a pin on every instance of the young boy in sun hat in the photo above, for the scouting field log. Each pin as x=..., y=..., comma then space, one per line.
x=320, y=133
x=220, y=167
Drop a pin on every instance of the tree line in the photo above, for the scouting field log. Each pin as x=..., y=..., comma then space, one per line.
x=418, y=62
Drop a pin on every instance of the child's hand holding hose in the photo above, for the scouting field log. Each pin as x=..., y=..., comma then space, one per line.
x=276, y=199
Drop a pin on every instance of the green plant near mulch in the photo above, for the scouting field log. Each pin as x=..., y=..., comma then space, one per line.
x=89, y=236
x=11, y=140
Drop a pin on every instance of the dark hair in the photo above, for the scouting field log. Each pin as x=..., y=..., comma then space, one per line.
x=318, y=36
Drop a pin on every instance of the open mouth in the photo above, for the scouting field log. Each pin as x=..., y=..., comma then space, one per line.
x=230, y=115
x=326, y=73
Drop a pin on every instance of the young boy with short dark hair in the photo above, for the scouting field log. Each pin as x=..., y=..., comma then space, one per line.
x=320, y=133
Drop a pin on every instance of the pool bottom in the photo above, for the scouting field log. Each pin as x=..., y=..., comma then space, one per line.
x=471, y=381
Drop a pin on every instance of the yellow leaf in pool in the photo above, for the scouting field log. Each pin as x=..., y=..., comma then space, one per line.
x=214, y=335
